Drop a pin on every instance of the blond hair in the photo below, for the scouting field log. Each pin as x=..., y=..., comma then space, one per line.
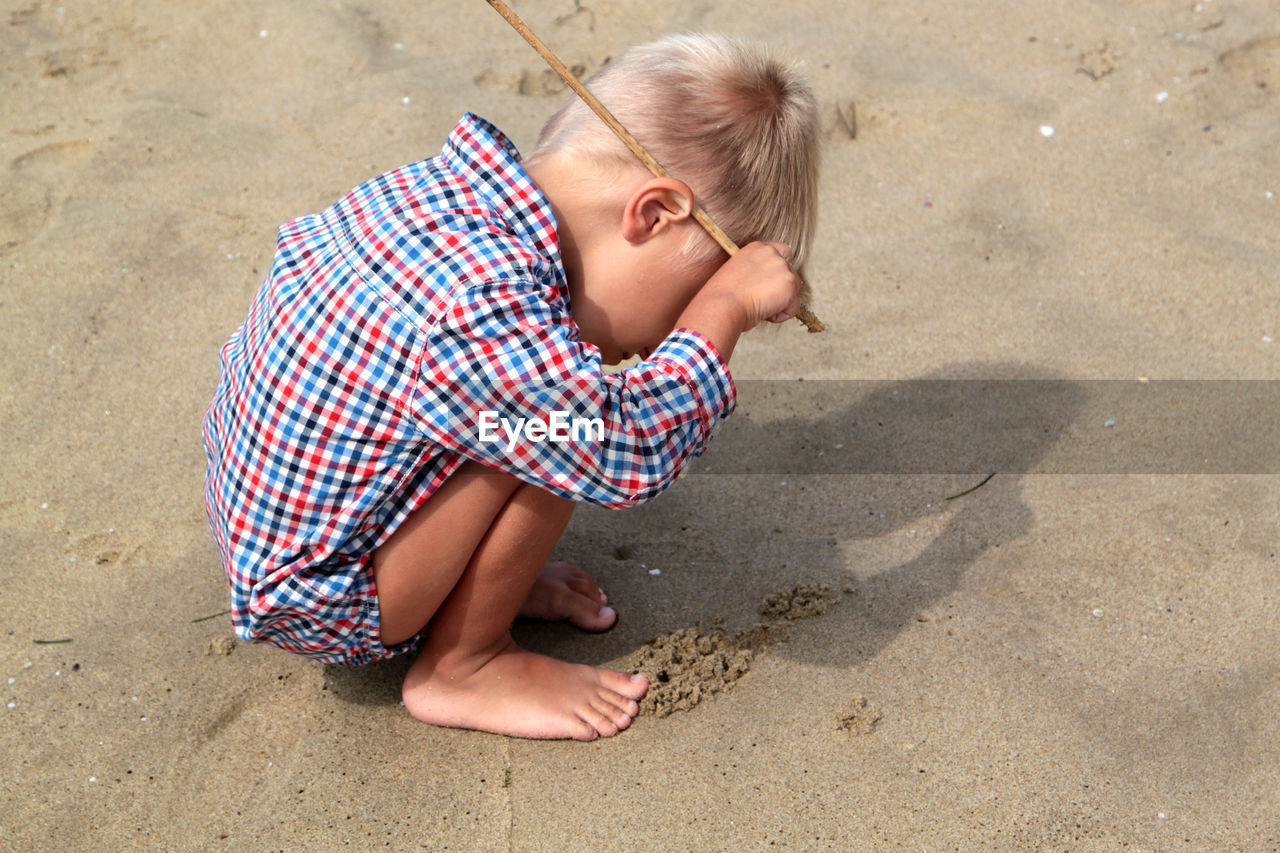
x=738, y=127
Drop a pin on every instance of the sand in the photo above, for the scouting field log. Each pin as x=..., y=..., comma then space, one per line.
x=1079, y=655
x=686, y=666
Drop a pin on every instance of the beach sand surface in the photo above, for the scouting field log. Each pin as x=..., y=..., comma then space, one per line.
x=1081, y=654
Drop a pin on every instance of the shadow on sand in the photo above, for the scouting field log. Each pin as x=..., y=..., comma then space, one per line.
x=798, y=487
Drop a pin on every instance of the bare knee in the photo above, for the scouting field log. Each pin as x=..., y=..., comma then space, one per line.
x=417, y=569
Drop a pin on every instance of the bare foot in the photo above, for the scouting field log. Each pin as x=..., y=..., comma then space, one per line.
x=564, y=591
x=516, y=692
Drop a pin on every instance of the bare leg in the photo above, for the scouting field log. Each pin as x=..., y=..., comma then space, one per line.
x=471, y=556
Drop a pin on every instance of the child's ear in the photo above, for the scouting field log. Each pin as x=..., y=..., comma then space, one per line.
x=655, y=206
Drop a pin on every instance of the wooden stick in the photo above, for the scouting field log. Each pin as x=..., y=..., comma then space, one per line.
x=703, y=218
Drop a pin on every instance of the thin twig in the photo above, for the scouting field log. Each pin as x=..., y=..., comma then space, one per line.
x=985, y=480
x=51, y=642
x=704, y=219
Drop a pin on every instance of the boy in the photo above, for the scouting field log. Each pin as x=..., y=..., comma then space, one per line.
x=371, y=484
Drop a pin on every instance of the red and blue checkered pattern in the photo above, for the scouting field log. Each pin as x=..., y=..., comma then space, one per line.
x=388, y=323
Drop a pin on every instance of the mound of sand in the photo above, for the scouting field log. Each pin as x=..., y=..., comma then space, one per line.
x=798, y=602
x=686, y=666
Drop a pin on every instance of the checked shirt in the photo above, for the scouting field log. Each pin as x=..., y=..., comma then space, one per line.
x=355, y=387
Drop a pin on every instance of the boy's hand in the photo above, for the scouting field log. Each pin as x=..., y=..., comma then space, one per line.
x=759, y=277
x=755, y=284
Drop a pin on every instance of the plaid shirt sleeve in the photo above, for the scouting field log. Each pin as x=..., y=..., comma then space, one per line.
x=507, y=350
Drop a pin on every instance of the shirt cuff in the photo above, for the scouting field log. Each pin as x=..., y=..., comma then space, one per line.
x=699, y=361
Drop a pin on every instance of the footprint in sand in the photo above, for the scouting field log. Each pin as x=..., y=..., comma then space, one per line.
x=26, y=209
x=539, y=82
x=382, y=50
x=1256, y=62
x=860, y=718
x=32, y=188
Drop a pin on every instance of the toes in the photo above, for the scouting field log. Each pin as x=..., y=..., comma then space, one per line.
x=563, y=591
x=616, y=716
x=600, y=722
x=586, y=587
x=584, y=729
x=617, y=707
x=578, y=581
x=610, y=710
x=604, y=617
x=633, y=687
x=590, y=615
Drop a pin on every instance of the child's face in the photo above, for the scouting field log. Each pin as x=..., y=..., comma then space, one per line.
x=630, y=306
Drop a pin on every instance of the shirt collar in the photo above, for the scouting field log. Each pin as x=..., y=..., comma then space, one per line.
x=490, y=163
